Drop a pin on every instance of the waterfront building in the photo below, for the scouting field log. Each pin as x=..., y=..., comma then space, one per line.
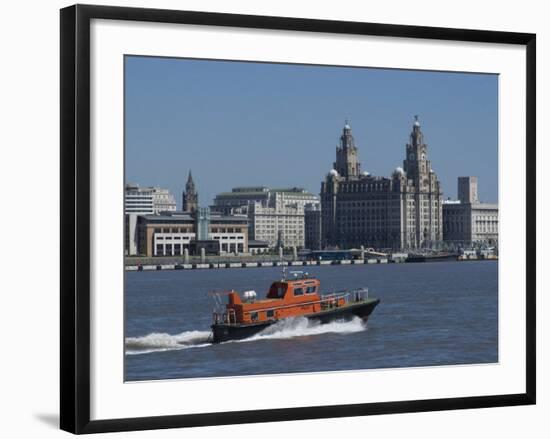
x=279, y=225
x=243, y=196
x=190, y=196
x=275, y=215
x=400, y=212
x=467, y=221
x=143, y=201
x=170, y=233
x=256, y=247
x=312, y=226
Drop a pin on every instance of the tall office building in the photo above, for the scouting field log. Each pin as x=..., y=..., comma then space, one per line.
x=143, y=201
x=147, y=200
x=467, y=221
x=467, y=190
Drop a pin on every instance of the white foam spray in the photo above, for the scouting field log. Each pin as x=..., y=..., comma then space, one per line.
x=158, y=342
x=287, y=328
x=302, y=327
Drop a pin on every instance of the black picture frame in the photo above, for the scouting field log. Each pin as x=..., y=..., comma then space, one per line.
x=75, y=217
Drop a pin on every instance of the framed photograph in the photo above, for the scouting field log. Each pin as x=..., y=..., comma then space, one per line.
x=274, y=218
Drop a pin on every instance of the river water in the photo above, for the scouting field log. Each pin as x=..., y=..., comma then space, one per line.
x=441, y=313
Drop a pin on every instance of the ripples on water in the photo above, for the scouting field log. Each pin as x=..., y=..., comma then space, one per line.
x=430, y=314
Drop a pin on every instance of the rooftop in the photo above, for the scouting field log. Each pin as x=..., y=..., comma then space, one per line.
x=187, y=216
x=479, y=206
x=136, y=188
x=262, y=191
x=487, y=206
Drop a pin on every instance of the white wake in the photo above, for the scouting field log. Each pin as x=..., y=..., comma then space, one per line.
x=159, y=342
x=302, y=327
x=288, y=328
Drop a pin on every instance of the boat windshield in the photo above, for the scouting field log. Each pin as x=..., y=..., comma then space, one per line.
x=277, y=291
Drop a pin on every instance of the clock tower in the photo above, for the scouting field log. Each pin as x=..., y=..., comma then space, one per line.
x=424, y=195
x=416, y=163
x=347, y=155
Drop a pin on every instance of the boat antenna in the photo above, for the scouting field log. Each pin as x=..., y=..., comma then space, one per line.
x=284, y=268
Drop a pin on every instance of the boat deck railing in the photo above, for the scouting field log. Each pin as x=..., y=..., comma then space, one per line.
x=357, y=294
x=229, y=317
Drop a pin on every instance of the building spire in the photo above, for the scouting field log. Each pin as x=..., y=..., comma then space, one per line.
x=347, y=155
x=417, y=138
x=190, y=196
x=416, y=163
x=346, y=139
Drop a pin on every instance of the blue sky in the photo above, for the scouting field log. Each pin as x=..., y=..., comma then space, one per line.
x=242, y=123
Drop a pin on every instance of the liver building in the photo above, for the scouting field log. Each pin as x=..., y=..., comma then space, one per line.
x=400, y=212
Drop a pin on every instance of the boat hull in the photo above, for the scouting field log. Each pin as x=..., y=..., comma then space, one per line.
x=222, y=332
x=432, y=258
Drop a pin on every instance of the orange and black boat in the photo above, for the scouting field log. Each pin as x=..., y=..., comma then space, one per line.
x=299, y=296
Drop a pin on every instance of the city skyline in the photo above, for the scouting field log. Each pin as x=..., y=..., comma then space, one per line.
x=280, y=134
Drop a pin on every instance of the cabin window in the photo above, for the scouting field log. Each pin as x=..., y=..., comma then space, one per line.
x=298, y=291
x=270, y=313
x=311, y=290
x=280, y=292
x=254, y=316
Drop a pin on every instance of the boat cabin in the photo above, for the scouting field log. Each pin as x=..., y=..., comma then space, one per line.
x=285, y=298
